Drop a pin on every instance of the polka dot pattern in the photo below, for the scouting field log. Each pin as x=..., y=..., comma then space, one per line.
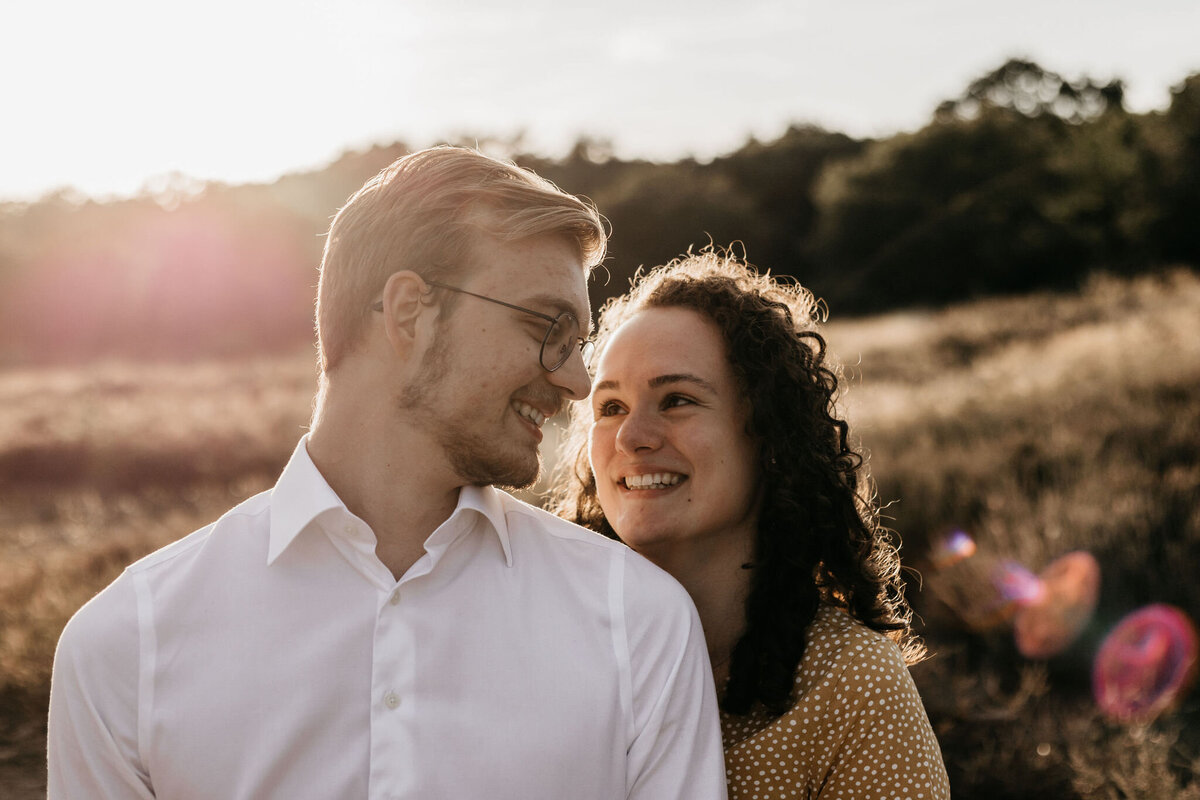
x=857, y=728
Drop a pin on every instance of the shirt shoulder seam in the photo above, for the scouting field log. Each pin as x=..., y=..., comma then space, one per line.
x=180, y=547
x=562, y=529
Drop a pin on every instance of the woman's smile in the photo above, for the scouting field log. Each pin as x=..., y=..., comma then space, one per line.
x=669, y=434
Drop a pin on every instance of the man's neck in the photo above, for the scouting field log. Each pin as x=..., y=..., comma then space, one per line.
x=387, y=474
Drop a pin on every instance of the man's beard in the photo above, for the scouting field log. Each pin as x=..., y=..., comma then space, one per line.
x=474, y=458
x=478, y=467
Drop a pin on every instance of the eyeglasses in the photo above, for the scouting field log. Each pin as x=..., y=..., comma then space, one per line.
x=560, y=337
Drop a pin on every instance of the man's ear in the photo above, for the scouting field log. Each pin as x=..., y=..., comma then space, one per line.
x=405, y=300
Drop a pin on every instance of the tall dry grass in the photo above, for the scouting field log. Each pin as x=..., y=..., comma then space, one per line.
x=1040, y=425
x=101, y=465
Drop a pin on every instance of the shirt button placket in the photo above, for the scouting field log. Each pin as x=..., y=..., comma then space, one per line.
x=391, y=699
x=392, y=746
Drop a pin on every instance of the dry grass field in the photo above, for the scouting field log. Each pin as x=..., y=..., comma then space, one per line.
x=1040, y=425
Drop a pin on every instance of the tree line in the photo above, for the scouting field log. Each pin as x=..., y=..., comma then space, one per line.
x=1026, y=180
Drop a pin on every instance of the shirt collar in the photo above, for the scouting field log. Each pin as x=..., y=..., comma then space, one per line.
x=487, y=501
x=301, y=495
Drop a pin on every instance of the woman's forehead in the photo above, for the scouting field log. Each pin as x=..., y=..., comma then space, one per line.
x=664, y=340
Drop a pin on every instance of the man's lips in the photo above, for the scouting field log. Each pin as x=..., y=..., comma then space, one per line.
x=531, y=414
x=532, y=417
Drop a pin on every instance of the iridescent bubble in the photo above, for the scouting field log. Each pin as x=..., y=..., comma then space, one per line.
x=1016, y=584
x=1047, y=624
x=953, y=548
x=1146, y=664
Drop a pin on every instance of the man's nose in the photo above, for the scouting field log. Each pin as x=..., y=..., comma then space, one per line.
x=572, y=377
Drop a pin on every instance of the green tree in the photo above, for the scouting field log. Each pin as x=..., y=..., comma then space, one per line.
x=781, y=177
x=1178, y=227
x=1025, y=87
x=1025, y=181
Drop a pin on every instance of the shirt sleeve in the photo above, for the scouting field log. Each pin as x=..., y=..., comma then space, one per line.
x=92, y=744
x=676, y=738
x=888, y=748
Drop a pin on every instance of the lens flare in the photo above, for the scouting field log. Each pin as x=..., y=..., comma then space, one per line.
x=1016, y=584
x=952, y=548
x=1047, y=624
x=1146, y=664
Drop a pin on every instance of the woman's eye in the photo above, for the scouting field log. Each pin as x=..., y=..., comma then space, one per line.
x=675, y=400
x=608, y=408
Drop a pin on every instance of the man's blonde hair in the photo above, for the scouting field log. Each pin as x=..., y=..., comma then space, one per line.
x=422, y=213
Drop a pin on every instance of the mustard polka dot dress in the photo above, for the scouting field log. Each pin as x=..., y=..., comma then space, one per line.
x=857, y=729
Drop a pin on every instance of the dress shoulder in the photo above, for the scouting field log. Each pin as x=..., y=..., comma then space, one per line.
x=856, y=726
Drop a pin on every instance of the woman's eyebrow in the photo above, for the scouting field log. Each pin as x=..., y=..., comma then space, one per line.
x=661, y=380
x=681, y=377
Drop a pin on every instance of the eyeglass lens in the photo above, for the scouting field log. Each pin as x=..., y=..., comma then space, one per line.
x=563, y=334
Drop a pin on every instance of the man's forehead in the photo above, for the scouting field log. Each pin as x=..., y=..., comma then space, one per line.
x=559, y=284
x=543, y=271
x=555, y=303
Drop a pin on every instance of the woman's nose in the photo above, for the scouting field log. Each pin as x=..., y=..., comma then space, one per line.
x=639, y=430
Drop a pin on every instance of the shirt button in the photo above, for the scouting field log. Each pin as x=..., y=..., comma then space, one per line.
x=395, y=598
x=348, y=530
x=391, y=700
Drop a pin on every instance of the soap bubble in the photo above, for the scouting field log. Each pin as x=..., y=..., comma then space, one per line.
x=1016, y=584
x=1146, y=664
x=1049, y=622
x=953, y=548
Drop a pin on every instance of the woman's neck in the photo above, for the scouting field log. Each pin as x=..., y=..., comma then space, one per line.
x=718, y=580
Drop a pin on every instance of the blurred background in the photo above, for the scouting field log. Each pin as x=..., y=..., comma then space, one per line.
x=1000, y=206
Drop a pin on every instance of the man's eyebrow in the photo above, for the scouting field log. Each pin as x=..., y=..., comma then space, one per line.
x=554, y=302
x=662, y=380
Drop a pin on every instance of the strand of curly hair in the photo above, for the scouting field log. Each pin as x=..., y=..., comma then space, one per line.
x=819, y=537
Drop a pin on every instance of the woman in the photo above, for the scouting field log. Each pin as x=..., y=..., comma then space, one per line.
x=713, y=446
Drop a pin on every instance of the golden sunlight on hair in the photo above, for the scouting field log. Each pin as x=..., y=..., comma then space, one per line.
x=423, y=212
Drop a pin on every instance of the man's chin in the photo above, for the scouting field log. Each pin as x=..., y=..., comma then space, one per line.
x=520, y=480
x=505, y=473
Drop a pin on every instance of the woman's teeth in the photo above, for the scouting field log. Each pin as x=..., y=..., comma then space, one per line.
x=530, y=413
x=656, y=480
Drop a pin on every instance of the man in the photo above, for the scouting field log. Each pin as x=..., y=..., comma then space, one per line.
x=384, y=623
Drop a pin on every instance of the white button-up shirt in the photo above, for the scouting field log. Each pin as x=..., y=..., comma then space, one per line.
x=272, y=655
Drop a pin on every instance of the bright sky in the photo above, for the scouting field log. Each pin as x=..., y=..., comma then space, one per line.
x=104, y=95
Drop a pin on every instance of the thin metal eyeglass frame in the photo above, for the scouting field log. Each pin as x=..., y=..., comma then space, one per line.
x=585, y=345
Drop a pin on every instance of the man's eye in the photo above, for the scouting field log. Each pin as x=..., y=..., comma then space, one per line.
x=537, y=328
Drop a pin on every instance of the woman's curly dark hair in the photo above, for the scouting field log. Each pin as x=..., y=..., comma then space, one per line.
x=819, y=536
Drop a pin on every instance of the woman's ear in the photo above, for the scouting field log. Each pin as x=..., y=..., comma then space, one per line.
x=405, y=300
